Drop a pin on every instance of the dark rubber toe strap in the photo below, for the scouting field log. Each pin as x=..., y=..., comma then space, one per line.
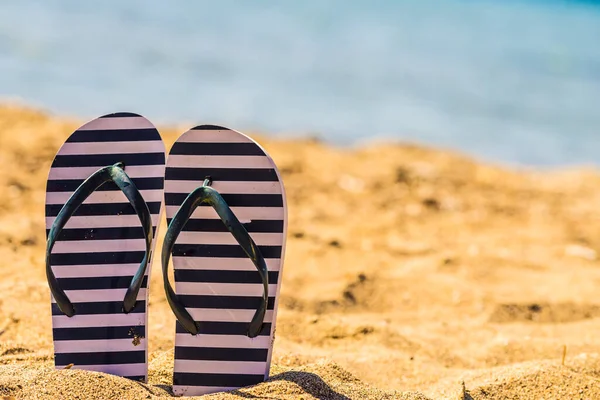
x=116, y=174
x=208, y=195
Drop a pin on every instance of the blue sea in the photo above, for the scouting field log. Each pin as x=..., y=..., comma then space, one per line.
x=516, y=82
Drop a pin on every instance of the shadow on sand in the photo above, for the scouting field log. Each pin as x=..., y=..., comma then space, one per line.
x=311, y=383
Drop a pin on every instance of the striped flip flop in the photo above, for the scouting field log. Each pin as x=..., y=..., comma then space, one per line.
x=103, y=204
x=227, y=257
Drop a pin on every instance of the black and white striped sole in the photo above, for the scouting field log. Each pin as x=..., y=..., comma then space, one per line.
x=218, y=284
x=102, y=245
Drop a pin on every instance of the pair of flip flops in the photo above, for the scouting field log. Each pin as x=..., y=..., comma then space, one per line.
x=226, y=214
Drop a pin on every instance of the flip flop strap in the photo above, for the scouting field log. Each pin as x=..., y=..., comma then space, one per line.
x=116, y=174
x=207, y=195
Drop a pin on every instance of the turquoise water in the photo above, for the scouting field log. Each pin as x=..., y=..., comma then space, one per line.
x=511, y=81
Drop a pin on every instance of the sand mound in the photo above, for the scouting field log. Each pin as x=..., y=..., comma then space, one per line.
x=324, y=380
x=412, y=269
x=578, y=378
x=316, y=381
x=46, y=383
x=551, y=383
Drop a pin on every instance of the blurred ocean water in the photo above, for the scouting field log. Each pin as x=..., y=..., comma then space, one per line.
x=511, y=81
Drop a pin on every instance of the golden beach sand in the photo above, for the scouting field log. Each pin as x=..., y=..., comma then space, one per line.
x=410, y=273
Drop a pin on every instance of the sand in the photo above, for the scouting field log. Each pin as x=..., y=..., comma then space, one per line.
x=411, y=273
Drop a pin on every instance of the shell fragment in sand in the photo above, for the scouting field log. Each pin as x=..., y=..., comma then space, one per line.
x=579, y=251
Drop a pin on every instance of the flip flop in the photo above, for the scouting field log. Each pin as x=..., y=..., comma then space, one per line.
x=227, y=257
x=103, y=203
